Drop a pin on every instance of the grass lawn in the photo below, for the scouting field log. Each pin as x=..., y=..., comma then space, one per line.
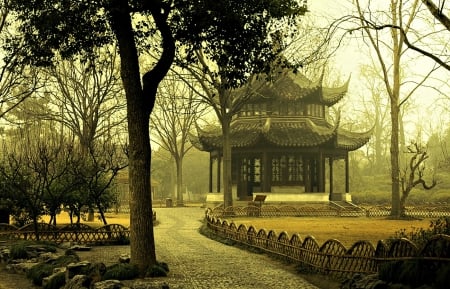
x=347, y=230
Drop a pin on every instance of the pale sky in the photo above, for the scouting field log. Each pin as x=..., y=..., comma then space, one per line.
x=349, y=58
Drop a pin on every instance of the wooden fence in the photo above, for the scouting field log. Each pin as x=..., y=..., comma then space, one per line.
x=332, y=257
x=324, y=210
x=80, y=233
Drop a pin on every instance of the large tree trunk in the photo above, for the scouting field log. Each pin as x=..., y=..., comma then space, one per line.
x=142, y=244
x=227, y=184
x=179, y=165
x=395, y=116
x=140, y=102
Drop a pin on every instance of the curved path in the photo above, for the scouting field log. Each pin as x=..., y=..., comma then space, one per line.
x=198, y=262
x=194, y=260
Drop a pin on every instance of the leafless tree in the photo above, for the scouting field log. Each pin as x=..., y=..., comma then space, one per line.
x=386, y=34
x=17, y=82
x=175, y=112
x=414, y=174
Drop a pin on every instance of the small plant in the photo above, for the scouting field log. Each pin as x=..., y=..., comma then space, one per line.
x=57, y=282
x=19, y=250
x=159, y=270
x=39, y=272
x=121, y=271
x=422, y=236
x=42, y=270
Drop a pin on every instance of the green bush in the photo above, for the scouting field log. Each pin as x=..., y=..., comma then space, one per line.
x=121, y=271
x=39, y=272
x=57, y=281
x=19, y=250
x=159, y=270
x=421, y=236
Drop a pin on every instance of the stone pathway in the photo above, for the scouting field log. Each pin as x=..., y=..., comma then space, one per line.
x=198, y=262
x=194, y=260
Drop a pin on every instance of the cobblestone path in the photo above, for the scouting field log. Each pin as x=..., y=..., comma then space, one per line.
x=194, y=260
x=198, y=262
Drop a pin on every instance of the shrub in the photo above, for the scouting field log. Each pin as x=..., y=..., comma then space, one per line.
x=41, y=270
x=57, y=281
x=421, y=236
x=159, y=270
x=38, y=272
x=19, y=250
x=121, y=271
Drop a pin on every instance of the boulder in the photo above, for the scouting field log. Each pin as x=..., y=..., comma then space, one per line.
x=74, y=269
x=77, y=282
x=124, y=258
x=109, y=284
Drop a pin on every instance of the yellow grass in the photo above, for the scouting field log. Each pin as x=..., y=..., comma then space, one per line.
x=347, y=230
x=122, y=219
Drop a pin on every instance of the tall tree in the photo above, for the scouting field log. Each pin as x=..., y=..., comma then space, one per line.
x=226, y=66
x=397, y=24
x=17, y=82
x=175, y=112
x=77, y=27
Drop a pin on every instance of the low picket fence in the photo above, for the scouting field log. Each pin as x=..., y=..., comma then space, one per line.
x=79, y=233
x=325, y=210
x=332, y=257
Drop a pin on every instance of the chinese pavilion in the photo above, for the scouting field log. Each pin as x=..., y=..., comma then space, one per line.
x=283, y=144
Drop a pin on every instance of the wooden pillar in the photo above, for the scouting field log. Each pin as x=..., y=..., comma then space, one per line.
x=266, y=173
x=347, y=183
x=219, y=165
x=331, y=177
x=211, y=160
x=321, y=172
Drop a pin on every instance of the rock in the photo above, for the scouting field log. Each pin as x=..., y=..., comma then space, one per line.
x=108, y=284
x=77, y=282
x=96, y=272
x=56, y=273
x=47, y=257
x=67, y=245
x=124, y=258
x=80, y=248
x=74, y=269
x=4, y=254
x=360, y=281
x=20, y=268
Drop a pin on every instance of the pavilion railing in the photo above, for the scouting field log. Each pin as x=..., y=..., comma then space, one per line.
x=332, y=257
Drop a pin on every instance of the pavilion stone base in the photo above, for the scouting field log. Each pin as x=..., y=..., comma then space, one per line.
x=337, y=197
x=282, y=198
x=285, y=198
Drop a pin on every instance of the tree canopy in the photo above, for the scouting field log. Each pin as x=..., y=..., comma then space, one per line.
x=239, y=30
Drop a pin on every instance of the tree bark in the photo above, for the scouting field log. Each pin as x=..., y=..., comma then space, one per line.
x=140, y=102
x=227, y=184
x=142, y=244
x=179, y=168
x=395, y=114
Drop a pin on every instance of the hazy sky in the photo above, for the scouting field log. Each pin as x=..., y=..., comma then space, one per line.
x=354, y=53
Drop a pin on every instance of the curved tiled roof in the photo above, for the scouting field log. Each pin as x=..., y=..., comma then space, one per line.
x=352, y=140
x=294, y=86
x=301, y=132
